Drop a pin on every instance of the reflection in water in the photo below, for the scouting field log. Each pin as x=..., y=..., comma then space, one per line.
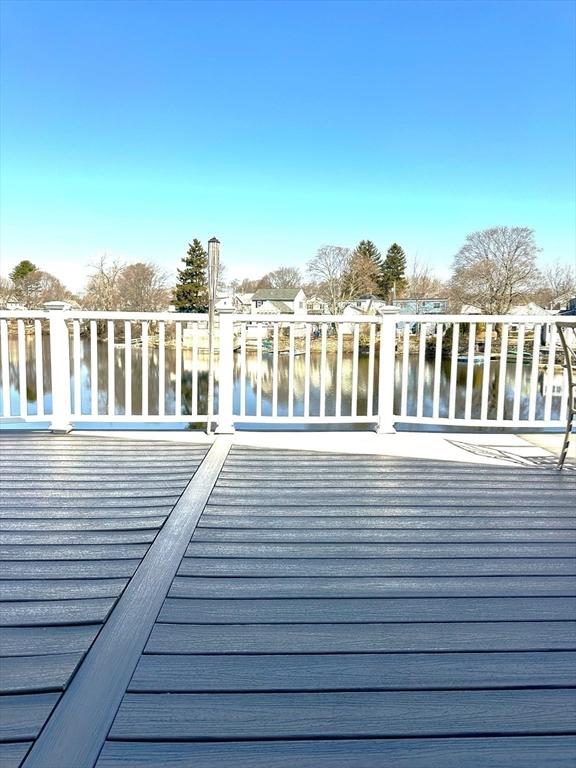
x=199, y=389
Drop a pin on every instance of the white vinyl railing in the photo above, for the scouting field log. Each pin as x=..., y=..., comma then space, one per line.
x=67, y=368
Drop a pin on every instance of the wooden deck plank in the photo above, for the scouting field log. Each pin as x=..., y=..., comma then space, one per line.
x=92, y=513
x=376, y=566
x=28, y=674
x=362, y=638
x=351, y=586
x=354, y=715
x=60, y=589
x=198, y=673
x=36, y=641
x=49, y=612
x=22, y=716
x=366, y=610
x=492, y=752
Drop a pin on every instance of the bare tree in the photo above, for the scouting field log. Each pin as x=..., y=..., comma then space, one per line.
x=422, y=282
x=496, y=268
x=34, y=288
x=285, y=277
x=558, y=285
x=101, y=291
x=362, y=275
x=143, y=288
x=6, y=291
x=329, y=270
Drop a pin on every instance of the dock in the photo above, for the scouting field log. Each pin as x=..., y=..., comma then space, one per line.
x=286, y=601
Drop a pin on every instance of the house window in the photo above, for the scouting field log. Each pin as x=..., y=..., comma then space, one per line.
x=258, y=303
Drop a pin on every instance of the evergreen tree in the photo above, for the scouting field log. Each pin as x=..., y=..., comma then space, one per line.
x=363, y=271
x=191, y=292
x=22, y=270
x=393, y=273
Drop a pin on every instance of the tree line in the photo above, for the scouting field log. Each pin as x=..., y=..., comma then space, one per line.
x=494, y=270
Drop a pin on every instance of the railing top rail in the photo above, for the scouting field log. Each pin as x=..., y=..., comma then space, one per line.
x=100, y=315
x=261, y=318
x=510, y=319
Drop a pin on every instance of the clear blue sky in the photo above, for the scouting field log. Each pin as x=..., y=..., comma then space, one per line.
x=132, y=127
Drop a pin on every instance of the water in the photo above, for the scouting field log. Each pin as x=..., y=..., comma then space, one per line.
x=283, y=384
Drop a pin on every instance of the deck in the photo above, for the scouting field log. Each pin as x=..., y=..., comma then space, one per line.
x=225, y=604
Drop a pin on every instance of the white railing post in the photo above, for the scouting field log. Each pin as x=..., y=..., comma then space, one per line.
x=60, y=369
x=225, y=422
x=386, y=369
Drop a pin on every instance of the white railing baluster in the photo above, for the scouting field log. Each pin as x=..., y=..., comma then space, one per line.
x=259, y=331
x=518, y=372
x=355, y=353
x=324, y=333
x=77, y=364
x=22, y=384
x=502, y=371
x=486, y=371
x=470, y=370
x=161, y=368
x=405, y=370
x=386, y=364
x=437, y=371
x=144, y=339
x=178, y=369
x=534, y=372
x=371, y=357
x=93, y=368
x=291, y=372
x=194, y=404
x=111, y=369
x=307, y=368
x=421, y=364
x=242, y=368
x=127, y=368
x=5, y=361
x=39, y=354
x=275, y=350
x=549, y=373
x=339, y=354
x=453, y=370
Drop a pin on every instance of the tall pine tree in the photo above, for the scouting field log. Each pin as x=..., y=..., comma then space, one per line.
x=191, y=292
x=393, y=273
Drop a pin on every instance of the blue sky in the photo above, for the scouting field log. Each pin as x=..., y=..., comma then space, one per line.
x=131, y=127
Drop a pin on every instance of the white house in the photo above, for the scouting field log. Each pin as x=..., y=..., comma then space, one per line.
x=279, y=301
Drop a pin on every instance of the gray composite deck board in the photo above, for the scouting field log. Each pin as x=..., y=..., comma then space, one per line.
x=364, y=638
x=82, y=524
x=351, y=586
x=434, y=508
x=354, y=715
x=69, y=569
x=34, y=641
x=48, y=612
x=85, y=537
x=376, y=566
x=22, y=716
x=372, y=536
x=520, y=752
x=60, y=589
x=414, y=524
x=73, y=552
x=366, y=610
x=12, y=754
x=305, y=672
x=48, y=672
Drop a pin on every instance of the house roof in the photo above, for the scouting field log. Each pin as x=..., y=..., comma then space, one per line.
x=276, y=294
x=280, y=306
